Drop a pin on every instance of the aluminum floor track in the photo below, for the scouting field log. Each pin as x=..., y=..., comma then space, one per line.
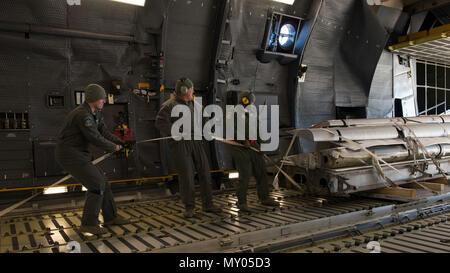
x=430, y=235
x=159, y=225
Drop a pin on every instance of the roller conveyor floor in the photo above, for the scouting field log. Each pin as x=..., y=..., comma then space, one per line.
x=159, y=225
x=429, y=235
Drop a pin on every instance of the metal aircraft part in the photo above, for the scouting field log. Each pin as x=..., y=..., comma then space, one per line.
x=362, y=178
x=342, y=157
x=375, y=132
x=386, y=121
x=363, y=144
x=426, y=141
x=358, y=179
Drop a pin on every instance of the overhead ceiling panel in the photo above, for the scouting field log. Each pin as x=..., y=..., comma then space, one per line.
x=432, y=45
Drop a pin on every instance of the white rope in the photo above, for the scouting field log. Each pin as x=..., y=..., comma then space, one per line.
x=266, y=156
x=153, y=139
x=275, y=179
x=67, y=177
x=375, y=159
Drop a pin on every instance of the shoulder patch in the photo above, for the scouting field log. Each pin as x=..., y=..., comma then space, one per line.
x=88, y=122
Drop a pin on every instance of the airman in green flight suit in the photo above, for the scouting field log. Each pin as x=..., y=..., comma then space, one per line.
x=84, y=126
x=188, y=155
x=248, y=162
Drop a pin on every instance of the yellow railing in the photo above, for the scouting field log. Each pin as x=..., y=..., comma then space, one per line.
x=422, y=37
x=142, y=179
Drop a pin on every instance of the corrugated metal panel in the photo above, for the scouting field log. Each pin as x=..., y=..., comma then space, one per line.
x=442, y=13
x=33, y=65
x=341, y=55
x=16, y=166
x=380, y=97
x=102, y=16
x=190, y=37
x=42, y=12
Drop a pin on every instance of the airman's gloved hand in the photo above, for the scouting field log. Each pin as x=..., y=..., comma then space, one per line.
x=118, y=148
x=129, y=144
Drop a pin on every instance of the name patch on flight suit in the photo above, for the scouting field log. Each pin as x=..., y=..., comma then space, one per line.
x=88, y=122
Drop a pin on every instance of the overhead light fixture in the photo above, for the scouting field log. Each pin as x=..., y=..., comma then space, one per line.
x=233, y=175
x=289, y=2
x=132, y=2
x=287, y=36
x=55, y=190
x=83, y=189
x=281, y=39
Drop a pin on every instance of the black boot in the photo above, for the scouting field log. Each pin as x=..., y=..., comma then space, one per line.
x=243, y=208
x=212, y=208
x=189, y=213
x=96, y=230
x=270, y=202
x=119, y=220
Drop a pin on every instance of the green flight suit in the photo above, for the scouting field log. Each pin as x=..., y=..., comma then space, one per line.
x=248, y=162
x=82, y=127
x=187, y=155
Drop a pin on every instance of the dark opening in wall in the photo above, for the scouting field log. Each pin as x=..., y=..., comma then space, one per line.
x=398, y=108
x=350, y=112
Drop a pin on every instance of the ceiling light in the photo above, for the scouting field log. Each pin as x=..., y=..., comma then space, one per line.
x=233, y=175
x=55, y=190
x=289, y=2
x=133, y=2
x=83, y=189
x=287, y=36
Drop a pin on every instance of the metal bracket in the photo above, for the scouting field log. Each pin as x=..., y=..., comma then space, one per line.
x=420, y=213
x=343, y=181
x=380, y=224
x=226, y=241
x=369, y=213
x=353, y=231
x=400, y=220
x=415, y=169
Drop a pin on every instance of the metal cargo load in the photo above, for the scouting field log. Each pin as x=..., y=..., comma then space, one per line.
x=366, y=154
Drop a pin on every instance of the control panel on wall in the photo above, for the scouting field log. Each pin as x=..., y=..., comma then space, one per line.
x=55, y=100
x=14, y=120
x=79, y=97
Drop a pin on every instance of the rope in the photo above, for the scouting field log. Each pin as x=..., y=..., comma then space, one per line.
x=275, y=179
x=265, y=156
x=375, y=159
x=67, y=177
x=153, y=139
x=416, y=144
